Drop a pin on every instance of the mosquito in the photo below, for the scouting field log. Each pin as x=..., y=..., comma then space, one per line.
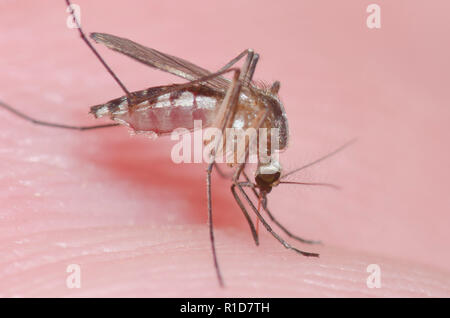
x=218, y=102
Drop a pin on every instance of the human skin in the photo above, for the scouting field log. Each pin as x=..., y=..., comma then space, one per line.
x=135, y=221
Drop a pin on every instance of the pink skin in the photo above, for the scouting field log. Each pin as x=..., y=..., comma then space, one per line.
x=136, y=222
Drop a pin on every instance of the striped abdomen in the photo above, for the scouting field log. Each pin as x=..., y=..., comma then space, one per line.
x=163, y=109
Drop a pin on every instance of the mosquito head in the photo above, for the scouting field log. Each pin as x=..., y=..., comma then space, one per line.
x=268, y=176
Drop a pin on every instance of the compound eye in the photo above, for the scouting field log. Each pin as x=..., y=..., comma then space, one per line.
x=267, y=180
x=268, y=175
x=270, y=178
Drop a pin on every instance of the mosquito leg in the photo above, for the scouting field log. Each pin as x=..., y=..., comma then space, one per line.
x=249, y=76
x=222, y=173
x=63, y=126
x=49, y=124
x=264, y=204
x=247, y=216
x=258, y=122
x=274, y=220
x=284, y=229
x=84, y=38
x=248, y=69
x=248, y=52
x=210, y=224
x=234, y=100
x=269, y=228
x=249, y=181
x=226, y=111
x=233, y=95
x=229, y=107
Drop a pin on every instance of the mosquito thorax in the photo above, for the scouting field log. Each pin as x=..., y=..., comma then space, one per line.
x=268, y=176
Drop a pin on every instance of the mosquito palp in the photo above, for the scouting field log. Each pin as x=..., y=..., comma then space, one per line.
x=99, y=57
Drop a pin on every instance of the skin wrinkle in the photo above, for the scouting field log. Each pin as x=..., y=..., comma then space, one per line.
x=99, y=246
x=329, y=276
x=135, y=221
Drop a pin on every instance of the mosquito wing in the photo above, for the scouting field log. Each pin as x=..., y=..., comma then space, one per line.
x=159, y=60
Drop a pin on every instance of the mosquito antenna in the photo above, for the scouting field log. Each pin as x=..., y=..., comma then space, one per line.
x=313, y=184
x=320, y=159
x=83, y=36
x=49, y=124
